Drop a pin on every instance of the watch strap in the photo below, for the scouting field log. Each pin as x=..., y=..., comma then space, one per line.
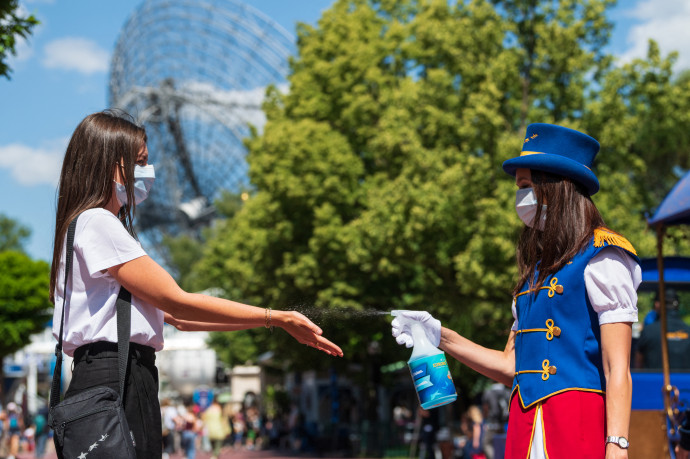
x=622, y=442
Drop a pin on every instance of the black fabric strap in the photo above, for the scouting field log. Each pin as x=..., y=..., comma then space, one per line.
x=57, y=373
x=124, y=313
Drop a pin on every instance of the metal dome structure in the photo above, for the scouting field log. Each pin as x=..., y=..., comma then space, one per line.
x=194, y=74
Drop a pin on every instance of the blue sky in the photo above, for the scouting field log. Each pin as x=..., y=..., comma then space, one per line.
x=61, y=75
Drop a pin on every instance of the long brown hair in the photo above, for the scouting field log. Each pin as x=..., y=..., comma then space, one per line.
x=571, y=218
x=100, y=142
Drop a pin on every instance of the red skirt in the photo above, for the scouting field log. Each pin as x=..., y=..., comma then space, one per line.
x=574, y=425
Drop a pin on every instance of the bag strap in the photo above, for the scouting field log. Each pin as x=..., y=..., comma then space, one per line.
x=57, y=372
x=124, y=313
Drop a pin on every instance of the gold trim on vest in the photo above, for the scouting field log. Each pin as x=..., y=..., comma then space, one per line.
x=546, y=370
x=551, y=330
x=553, y=288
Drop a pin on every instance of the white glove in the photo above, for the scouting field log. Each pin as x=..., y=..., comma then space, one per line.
x=401, y=327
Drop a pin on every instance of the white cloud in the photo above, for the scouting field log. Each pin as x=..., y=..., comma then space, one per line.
x=666, y=22
x=204, y=101
x=233, y=106
x=78, y=54
x=34, y=166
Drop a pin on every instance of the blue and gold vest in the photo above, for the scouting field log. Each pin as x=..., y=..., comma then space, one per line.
x=558, y=341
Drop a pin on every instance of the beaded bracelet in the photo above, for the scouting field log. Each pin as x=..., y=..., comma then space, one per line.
x=267, y=318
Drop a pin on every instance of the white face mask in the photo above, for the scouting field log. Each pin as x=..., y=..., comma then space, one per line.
x=143, y=180
x=526, y=207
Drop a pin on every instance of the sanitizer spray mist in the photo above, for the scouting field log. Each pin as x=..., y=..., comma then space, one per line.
x=429, y=368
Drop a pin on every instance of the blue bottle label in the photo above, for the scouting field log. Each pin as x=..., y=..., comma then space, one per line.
x=432, y=381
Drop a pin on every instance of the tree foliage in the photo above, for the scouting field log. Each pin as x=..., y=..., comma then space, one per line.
x=377, y=180
x=24, y=305
x=13, y=234
x=13, y=25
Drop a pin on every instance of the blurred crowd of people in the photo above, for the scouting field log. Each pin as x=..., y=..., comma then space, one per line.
x=22, y=432
x=480, y=433
x=188, y=428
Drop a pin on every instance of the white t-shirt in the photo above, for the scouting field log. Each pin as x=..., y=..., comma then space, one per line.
x=101, y=242
x=611, y=281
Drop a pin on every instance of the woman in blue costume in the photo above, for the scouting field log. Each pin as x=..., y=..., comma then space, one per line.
x=568, y=352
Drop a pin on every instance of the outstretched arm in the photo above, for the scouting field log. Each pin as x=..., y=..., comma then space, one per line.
x=497, y=365
x=147, y=280
x=192, y=325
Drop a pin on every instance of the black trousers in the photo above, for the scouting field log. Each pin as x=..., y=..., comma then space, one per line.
x=96, y=365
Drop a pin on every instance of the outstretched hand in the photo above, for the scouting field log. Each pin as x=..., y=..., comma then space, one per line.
x=305, y=331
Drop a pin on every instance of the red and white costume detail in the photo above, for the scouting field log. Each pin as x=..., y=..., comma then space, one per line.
x=575, y=421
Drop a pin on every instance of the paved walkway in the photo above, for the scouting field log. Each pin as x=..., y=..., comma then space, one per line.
x=226, y=453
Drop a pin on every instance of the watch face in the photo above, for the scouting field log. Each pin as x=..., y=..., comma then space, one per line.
x=623, y=442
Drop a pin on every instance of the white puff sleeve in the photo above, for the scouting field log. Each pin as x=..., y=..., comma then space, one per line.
x=611, y=279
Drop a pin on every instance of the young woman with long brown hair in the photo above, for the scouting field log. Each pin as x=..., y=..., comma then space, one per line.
x=568, y=352
x=105, y=173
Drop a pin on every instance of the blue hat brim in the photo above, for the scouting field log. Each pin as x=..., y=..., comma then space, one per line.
x=555, y=164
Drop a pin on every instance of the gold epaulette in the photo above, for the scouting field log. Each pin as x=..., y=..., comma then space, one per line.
x=604, y=237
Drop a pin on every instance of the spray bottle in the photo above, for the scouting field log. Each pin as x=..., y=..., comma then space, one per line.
x=429, y=368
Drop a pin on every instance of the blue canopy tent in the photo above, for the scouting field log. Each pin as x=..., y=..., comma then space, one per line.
x=674, y=210
x=676, y=274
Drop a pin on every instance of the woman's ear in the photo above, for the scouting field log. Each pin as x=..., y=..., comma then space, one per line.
x=118, y=174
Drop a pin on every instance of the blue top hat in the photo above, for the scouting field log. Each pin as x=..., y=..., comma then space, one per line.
x=558, y=150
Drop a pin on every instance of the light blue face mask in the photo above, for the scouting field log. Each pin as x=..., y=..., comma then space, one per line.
x=143, y=180
x=526, y=207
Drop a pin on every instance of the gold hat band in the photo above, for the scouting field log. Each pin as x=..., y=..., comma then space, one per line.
x=526, y=153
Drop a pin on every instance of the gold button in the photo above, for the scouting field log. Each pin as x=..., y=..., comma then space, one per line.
x=552, y=370
x=559, y=289
x=556, y=331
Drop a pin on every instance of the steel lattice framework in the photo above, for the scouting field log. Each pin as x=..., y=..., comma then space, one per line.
x=194, y=73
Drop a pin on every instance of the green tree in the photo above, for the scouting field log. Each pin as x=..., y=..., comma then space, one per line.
x=13, y=234
x=12, y=26
x=24, y=305
x=377, y=180
x=642, y=116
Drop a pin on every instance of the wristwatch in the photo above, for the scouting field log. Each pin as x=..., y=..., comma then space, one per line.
x=620, y=441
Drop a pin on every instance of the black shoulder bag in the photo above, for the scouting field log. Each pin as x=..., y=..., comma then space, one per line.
x=92, y=424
